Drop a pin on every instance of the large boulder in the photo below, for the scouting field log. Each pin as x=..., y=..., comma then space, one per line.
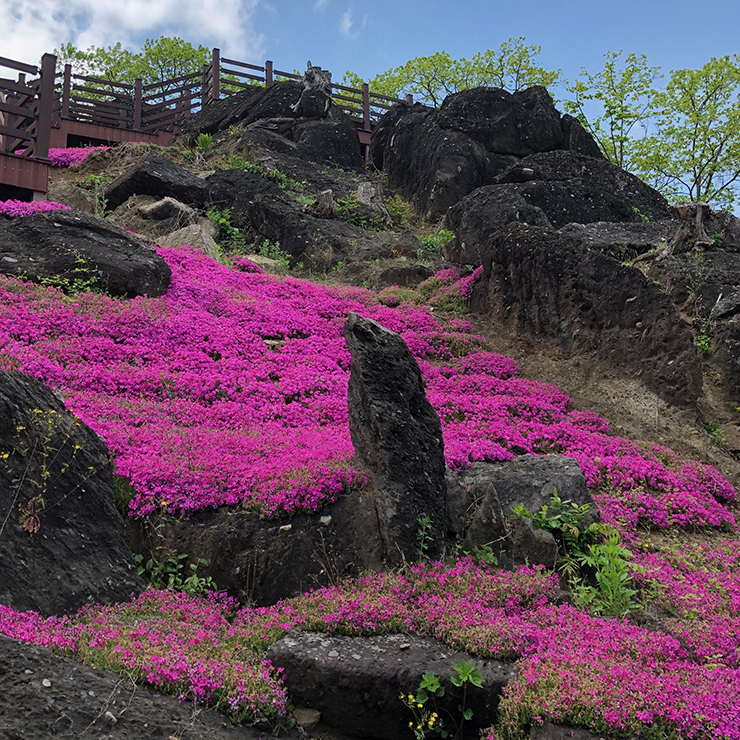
x=334, y=143
x=159, y=176
x=355, y=682
x=62, y=539
x=552, y=189
x=61, y=247
x=481, y=500
x=545, y=283
x=436, y=157
x=397, y=437
x=152, y=217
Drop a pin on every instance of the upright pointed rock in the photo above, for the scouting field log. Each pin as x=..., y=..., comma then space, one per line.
x=398, y=438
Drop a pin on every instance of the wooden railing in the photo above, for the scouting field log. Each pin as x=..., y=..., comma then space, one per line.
x=26, y=107
x=166, y=104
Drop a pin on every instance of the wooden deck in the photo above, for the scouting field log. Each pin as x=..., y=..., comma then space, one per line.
x=66, y=109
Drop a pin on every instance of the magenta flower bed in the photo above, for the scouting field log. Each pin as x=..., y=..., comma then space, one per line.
x=15, y=208
x=231, y=389
x=71, y=156
x=607, y=675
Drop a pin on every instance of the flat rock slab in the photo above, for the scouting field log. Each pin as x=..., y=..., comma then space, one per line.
x=356, y=682
x=60, y=246
x=44, y=696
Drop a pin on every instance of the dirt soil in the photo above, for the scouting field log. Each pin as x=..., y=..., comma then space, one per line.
x=631, y=410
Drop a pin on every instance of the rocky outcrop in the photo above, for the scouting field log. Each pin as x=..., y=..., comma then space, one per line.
x=552, y=189
x=264, y=212
x=397, y=437
x=156, y=175
x=355, y=682
x=305, y=120
x=436, y=157
x=545, y=283
x=47, y=697
x=62, y=542
x=61, y=247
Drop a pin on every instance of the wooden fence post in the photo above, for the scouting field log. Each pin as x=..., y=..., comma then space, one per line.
x=216, y=75
x=268, y=74
x=365, y=107
x=45, y=106
x=66, y=90
x=205, y=90
x=138, y=92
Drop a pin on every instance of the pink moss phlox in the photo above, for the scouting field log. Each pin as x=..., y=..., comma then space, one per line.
x=71, y=156
x=232, y=389
x=14, y=208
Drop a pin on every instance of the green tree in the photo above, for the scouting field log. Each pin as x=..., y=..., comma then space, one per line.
x=623, y=95
x=159, y=59
x=431, y=78
x=512, y=67
x=168, y=58
x=695, y=150
x=112, y=63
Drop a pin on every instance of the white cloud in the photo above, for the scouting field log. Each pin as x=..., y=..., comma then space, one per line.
x=345, y=24
x=32, y=27
x=319, y=4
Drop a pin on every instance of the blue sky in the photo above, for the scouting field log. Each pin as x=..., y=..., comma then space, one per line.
x=370, y=37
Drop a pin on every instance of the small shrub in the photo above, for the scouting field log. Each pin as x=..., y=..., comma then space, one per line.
x=171, y=574
x=204, y=144
x=401, y=213
x=703, y=339
x=715, y=429
x=228, y=234
x=435, y=242
x=423, y=537
x=350, y=211
x=592, y=557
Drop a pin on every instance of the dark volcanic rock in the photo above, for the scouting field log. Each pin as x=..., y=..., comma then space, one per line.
x=219, y=115
x=552, y=189
x=263, y=211
x=436, y=157
x=62, y=542
x=546, y=284
x=355, y=682
x=47, y=697
x=330, y=142
x=481, y=499
x=264, y=560
x=624, y=240
x=707, y=285
x=49, y=246
x=397, y=436
x=532, y=546
x=158, y=176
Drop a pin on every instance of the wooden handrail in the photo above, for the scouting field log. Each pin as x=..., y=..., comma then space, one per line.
x=19, y=66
